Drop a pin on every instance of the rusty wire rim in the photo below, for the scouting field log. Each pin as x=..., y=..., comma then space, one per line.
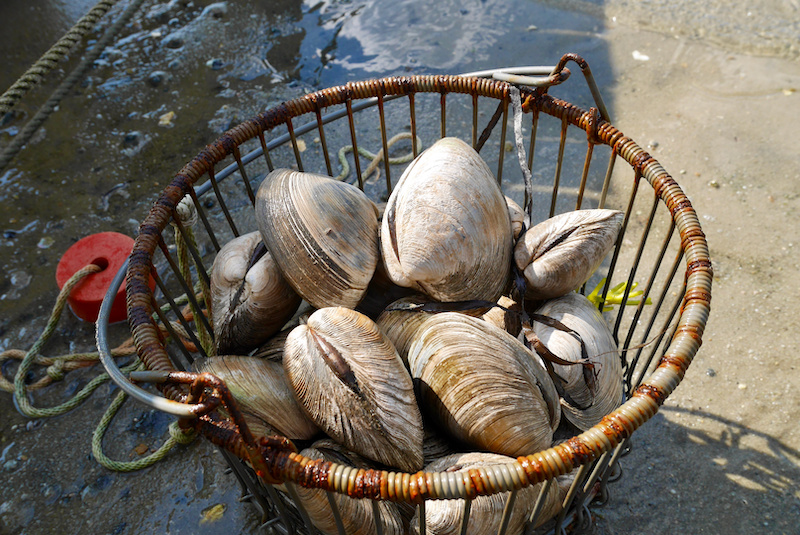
x=590, y=445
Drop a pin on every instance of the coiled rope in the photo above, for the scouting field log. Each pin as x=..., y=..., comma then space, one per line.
x=57, y=368
x=61, y=91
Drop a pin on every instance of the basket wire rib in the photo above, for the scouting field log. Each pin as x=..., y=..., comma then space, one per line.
x=597, y=450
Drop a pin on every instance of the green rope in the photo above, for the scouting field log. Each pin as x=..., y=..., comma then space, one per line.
x=20, y=388
x=376, y=158
x=50, y=59
x=183, y=265
x=176, y=436
x=30, y=128
x=55, y=372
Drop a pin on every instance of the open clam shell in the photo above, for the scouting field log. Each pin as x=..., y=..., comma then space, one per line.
x=446, y=230
x=260, y=388
x=444, y=517
x=358, y=515
x=603, y=392
x=250, y=299
x=323, y=234
x=560, y=254
x=351, y=382
x=483, y=385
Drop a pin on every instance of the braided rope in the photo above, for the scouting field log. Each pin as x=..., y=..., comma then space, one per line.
x=36, y=73
x=57, y=367
x=30, y=128
x=176, y=436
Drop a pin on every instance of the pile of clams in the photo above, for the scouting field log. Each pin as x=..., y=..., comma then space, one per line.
x=418, y=348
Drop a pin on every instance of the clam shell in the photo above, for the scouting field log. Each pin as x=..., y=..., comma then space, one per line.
x=260, y=388
x=483, y=385
x=507, y=321
x=400, y=326
x=323, y=234
x=349, y=379
x=517, y=216
x=358, y=515
x=560, y=254
x=247, y=305
x=381, y=292
x=272, y=349
x=446, y=230
x=444, y=517
x=580, y=315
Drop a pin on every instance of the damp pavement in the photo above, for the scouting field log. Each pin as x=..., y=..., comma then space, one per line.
x=711, y=89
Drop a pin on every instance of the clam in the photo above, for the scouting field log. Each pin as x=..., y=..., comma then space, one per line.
x=593, y=391
x=446, y=231
x=349, y=379
x=250, y=299
x=272, y=349
x=483, y=385
x=381, y=292
x=260, y=389
x=400, y=326
x=506, y=318
x=560, y=254
x=357, y=515
x=323, y=234
x=517, y=216
x=444, y=517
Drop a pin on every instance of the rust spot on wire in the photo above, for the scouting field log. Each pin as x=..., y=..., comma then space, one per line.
x=371, y=484
x=613, y=428
x=417, y=488
x=692, y=236
x=680, y=206
x=692, y=331
x=478, y=486
x=640, y=161
x=533, y=469
x=592, y=126
x=702, y=264
x=679, y=363
x=652, y=392
x=581, y=454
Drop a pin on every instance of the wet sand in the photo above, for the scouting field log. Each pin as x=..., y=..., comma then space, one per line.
x=720, y=457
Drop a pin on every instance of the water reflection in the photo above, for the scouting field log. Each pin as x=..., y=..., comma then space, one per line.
x=355, y=40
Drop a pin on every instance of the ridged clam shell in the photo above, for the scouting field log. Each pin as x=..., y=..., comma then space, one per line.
x=580, y=315
x=358, y=515
x=247, y=306
x=444, y=517
x=260, y=388
x=323, y=234
x=349, y=379
x=446, y=230
x=400, y=326
x=483, y=385
x=560, y=254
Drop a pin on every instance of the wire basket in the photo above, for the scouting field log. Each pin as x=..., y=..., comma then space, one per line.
x=573, y=155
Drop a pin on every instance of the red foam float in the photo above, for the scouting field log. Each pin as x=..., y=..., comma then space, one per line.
x=109, y=250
